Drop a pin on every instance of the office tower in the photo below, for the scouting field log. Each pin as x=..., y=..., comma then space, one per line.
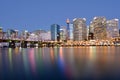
x=98, y=28
x=55, y=32
x=67, y=22
x=63, y=33
x=70, y=37
x=113, y=28
x=79, y=29
x=69, y=30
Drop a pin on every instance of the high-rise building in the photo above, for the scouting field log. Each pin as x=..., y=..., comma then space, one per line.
x=113, y=28
x=98, y=28
x=70, y=36
x=67, y=22
x=69, y=30
x=55, y=32
x=79, y=29
x=63, y=33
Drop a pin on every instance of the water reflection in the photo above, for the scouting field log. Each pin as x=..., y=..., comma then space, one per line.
x=97, y=63
x=10, y=58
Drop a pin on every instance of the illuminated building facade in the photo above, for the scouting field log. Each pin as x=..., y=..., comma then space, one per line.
x=67, y=34
x=63, y=33
x=113, y=28
x=98, y=28
x=55, y=32
x=79, y=29
x=69, y=30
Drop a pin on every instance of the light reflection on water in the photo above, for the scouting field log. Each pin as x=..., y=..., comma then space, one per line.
x=96, y=63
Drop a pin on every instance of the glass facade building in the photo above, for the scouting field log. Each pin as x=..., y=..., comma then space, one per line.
x=67, y=34
x=55, y=32
x=79, y=29
x=98, y=28
x=63, y=33
x=113, y=28
x=70, y=32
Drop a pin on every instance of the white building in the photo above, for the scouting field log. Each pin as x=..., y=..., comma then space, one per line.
x=113, y=28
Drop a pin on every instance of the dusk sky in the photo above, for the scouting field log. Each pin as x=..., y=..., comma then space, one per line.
x=40, y=14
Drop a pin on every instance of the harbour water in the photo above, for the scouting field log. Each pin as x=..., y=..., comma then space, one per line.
x=60, y=63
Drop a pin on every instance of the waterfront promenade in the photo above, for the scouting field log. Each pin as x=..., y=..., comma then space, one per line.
x=12, y=43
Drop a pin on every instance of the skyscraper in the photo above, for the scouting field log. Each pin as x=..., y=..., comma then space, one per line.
x=67, y=34
x=70, y=36
x=112, y=28
x=63, y=33
x=55, y=32
x=98, y=28
x=79, y=29
x=69, y=30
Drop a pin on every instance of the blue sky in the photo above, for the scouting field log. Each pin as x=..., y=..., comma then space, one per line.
x=40, y=14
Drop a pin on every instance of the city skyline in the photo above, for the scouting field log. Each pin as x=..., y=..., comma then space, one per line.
x=49, y=28
x=33, y=15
